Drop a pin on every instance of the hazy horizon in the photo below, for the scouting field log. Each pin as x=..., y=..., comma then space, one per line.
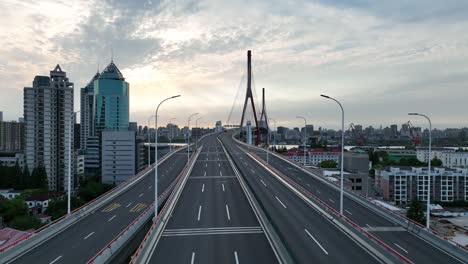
x=380, y=59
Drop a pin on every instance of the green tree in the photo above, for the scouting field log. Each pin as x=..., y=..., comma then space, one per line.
x=9, y=209
x=436, y=162
x=39, y=178
x=25, y=222
x=328, y=164
x=416, y=212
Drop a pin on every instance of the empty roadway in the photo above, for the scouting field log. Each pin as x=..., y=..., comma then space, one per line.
x=308, y=236
x=407, y=244
x=82, y=240
x=212, y=221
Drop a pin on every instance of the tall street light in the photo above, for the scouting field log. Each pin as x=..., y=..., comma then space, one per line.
x=196, y=125
x=149, y=140
x=156, y=156
x=69, y=163
x=305, y=137
x=188, y=136
x=428, y=210
x=342, y=149
x=170, y=138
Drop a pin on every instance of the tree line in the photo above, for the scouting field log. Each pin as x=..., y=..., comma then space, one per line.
x=15, y=178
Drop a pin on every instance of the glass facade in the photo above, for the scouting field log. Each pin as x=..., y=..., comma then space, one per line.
x=111, y=101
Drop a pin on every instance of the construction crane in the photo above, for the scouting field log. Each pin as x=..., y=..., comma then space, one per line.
x=356, y=135
x=415, y=137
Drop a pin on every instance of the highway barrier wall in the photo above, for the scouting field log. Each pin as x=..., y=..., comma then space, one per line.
x=430, y=236
x=47, y=232
x=149, y=243
x=282, y=254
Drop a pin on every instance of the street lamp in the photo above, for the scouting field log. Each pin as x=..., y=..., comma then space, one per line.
x=149, y=140
x=342, y=149
x=170, y=138
x=196, y=125
x=188, y=135
x=305, y=137
x=428, y=210
x=69, y=163
x=156, y=156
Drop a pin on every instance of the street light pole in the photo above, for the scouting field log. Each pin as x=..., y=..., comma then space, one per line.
x=342, y=150
x=428, y=210
x=149, y=140
x=188, y=135
x=69, y=163
x=305, y=138
x=156, y=156
x=170, y=138
x=196, y=125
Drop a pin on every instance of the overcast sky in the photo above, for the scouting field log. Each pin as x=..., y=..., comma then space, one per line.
x=381, y=59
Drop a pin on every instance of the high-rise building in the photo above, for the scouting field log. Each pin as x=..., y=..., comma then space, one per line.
x=111, y=101
x=1, y=116
x=48, y=112
x=86, y=111
x=11, y=136
x=118, y=156
x=133, y=126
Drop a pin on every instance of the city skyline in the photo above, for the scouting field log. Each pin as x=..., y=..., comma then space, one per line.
x=382, y=60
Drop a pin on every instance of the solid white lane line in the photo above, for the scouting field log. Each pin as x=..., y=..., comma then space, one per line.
x=193, y=258
x=280, y=202
x=331, y=200
x=348, y=212
x=53, y=261
x=227, y=212
x=199, y=212
x=307, y=231
x=263, y=182
x=235, y=257
x=90, y=234
x=203, y=188
x=128, y=205
x=222, y=184
x=401, y=248
x=110, y=219
x=141, y=194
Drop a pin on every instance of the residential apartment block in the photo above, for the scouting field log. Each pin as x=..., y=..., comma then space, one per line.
x=48, y=116
x=403, y=184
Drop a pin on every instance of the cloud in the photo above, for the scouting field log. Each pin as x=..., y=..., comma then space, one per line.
x=381, y=58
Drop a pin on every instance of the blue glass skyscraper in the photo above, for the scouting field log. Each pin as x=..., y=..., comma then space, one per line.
x=111, y=101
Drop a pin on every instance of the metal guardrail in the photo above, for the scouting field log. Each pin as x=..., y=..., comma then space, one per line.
x=434, y=238
x=337, y=215
x=273, y=238
x=141, y=255
x=114, y=245
x=38, y=237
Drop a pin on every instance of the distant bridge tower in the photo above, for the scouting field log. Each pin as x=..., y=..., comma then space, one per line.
x=263, y=129
x=250, y=95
